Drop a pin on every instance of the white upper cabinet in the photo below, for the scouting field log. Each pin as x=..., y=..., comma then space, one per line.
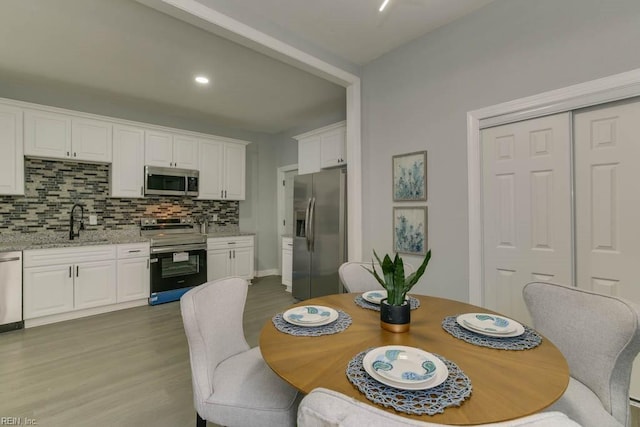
x=322, y=148
x=127, y=169
x=11, y=152
x=309, y=155
x=64, y=136
x=47, y=134
x=170, y=150
x=235, y=165
x=211, y=170
x=91, y=140
x=185, y=152
x=332, y=148
x=222, y=170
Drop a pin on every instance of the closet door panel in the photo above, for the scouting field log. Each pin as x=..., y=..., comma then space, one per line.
x=607, y=173
x=526, y=208
x=607, y=155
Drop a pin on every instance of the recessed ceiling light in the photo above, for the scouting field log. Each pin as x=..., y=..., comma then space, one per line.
x=384, y=4
x=202, y=80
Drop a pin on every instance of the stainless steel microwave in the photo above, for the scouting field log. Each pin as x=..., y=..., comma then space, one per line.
x=170, y=181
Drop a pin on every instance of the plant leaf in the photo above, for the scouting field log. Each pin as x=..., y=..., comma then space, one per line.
x=399, y=284
x=375, y=274
x=414, y=277
x=387, y=271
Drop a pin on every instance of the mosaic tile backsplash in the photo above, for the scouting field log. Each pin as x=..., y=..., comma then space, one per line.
x=52, y=188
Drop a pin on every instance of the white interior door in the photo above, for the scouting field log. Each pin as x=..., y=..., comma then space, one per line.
x=526, y=209
x=607, y=156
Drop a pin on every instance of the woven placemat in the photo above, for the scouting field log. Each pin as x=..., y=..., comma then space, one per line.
x=340, y=324
x=414, y=302
x=529, y=339
x=452, y=392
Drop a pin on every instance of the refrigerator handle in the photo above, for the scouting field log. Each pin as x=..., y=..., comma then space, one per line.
x=306, y=226
x=311, y=227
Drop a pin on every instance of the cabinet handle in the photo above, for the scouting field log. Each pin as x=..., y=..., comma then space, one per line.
x=231, y=243
x=142, y=191
x=147, y=264
x=225, y=194
x=68, y=154
x=221, y=194
x=74, y=154
x=77, y=271
x=234, y=254
x=69, y=271
x=134, y=250
x=229, y=254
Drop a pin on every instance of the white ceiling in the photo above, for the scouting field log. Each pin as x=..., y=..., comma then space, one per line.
x=352, y=29
x=127, y=49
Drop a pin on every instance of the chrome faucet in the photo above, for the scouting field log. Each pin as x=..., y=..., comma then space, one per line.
x=71, y=221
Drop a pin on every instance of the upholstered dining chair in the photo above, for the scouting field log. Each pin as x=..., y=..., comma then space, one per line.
x=355, y=278
x=599, y=336
x=232, y=385
x=328, y=408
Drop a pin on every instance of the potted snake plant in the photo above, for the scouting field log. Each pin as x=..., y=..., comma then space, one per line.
x=395, y=310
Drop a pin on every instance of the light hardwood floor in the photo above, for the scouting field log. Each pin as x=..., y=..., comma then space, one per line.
x=126, y=368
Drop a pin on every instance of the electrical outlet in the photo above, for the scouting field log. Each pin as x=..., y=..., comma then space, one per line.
x=93, y=219
x=214, y=217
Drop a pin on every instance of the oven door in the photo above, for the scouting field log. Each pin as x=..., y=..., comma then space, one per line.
x=176, y=268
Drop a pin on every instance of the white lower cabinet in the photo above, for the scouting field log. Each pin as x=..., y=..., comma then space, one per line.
x=230, y=257
x=47, y=290
x=94, y=284
x=83, y=279
x=287, y=262
x=133, y=272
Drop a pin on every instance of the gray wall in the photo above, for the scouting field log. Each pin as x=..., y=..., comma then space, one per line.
x=417, y=96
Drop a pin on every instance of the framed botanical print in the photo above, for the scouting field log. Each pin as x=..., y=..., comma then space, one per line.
x=410, y=177
x=410, y=230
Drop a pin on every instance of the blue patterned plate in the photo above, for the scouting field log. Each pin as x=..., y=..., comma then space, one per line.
x=490, y=325
x=374, y=297
x=310, y=315
x=406, y=368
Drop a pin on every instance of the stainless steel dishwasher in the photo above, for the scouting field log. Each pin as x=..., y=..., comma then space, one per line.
x=10, y=291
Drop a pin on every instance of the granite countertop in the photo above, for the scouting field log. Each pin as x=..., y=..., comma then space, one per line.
x=46, y=240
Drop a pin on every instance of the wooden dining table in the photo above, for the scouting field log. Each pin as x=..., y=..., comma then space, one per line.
x=507, y=384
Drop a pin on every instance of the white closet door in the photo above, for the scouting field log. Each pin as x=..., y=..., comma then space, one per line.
x=526, y=208
x=607, y=173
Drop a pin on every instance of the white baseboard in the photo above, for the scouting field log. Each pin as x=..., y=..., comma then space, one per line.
x=271, y=272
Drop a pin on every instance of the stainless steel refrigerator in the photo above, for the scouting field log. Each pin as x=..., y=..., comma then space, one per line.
x=320, y=238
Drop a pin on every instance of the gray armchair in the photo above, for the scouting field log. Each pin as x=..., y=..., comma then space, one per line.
x=356, y=279
x=327, y=408
x=232, y=385
x=599, y=337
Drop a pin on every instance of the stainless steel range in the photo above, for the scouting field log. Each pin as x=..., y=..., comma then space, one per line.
x=178, y=257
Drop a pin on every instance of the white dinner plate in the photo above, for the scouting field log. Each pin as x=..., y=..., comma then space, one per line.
x=490, y=325
x=375, y=297
x=413, y=361
x=310, y=315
